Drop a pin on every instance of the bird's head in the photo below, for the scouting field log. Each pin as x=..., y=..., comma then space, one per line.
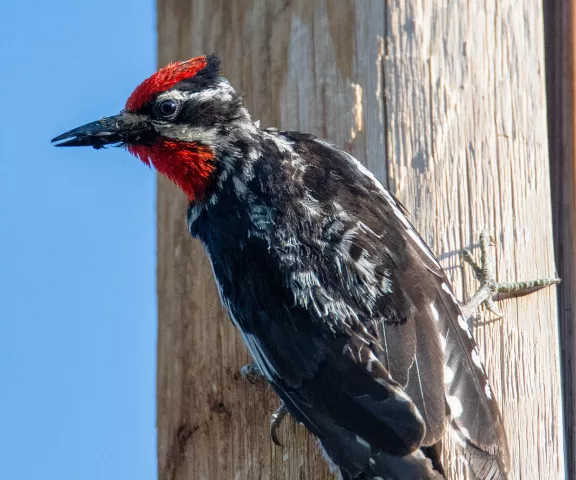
x=174, y=121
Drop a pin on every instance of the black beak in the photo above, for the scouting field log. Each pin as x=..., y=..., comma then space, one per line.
x=119, y=129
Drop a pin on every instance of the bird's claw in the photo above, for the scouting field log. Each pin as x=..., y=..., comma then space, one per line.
x=252, y=373
x=275, y=421
x=489, y=287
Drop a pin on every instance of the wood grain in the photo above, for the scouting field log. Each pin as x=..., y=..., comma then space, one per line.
x=445, y=104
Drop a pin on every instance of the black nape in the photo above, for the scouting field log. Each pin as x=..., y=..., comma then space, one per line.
x=205, y=78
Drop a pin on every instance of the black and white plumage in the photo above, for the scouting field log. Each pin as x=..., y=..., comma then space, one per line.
x=342, y=305
x=346, y=311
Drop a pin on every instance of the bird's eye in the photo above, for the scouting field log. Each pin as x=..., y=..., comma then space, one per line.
x=167, y=108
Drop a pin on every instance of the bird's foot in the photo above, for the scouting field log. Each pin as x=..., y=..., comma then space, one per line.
x=489, y=287
x=252, y=373
x=275, y=421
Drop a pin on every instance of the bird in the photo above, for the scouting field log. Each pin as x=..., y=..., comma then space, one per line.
x=344, y=308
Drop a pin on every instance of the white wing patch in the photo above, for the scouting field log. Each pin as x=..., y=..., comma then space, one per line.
x=476, y=359
x=455, y=405
x=458, y=438
x=448, y=374
x=362, y=442
x=463, y=324
x=447, y=289
x=435, y=313
x=442, y=343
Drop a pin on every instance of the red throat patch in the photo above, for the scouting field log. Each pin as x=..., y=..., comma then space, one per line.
x=162, y=80
x=188, y=164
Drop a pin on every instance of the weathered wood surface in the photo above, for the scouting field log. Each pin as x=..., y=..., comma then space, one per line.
x=560, y=36
x=445, y=102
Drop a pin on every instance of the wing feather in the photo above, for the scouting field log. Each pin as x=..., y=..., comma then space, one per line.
x=347, y=312
x=414, y=318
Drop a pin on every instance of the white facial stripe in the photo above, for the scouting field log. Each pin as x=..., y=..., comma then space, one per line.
x=212, y=94
x=174, y=95
x=222, y=92
x=187, y=133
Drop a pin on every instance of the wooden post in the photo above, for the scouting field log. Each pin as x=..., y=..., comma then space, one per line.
x=561, y=92
x=444, y=102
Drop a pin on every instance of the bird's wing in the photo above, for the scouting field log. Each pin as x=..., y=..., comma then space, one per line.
x=329, y=378
x=373, y=262
x=349, y=315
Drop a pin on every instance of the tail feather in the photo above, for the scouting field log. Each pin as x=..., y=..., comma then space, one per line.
x=475, y=420
x=358, y=459
x=482, y=464
x=384, y=466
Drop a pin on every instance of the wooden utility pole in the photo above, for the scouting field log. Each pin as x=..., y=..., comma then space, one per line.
x=560, y=36
x=444, y=101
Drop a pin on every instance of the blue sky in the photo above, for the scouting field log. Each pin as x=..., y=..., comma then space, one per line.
x=77, y=247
